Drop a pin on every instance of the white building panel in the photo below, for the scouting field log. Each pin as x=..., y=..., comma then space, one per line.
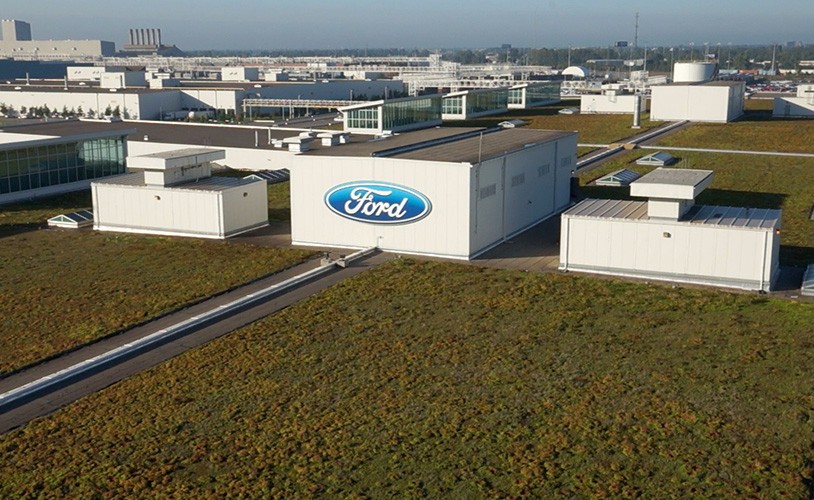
x=608, y=104
x=473, y=205
x=713, y=102
x=681, y=251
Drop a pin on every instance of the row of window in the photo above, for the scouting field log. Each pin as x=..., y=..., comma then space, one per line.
x=363, y=118
x=43, y=166
x=403, y=113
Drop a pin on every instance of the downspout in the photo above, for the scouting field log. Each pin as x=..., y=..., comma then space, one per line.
x=763, y=267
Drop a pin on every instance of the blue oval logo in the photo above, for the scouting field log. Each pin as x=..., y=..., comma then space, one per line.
x=377, y=203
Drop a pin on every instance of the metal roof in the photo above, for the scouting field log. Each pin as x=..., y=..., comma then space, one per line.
x=621, y=177
x=484, y=147
x=751, y=218
x=205, y=184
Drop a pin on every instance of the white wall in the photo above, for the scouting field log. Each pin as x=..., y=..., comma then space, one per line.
x=57, y=48
x=693, y=253
x=246, y=158
x=461, y=224
x=156, y=210
x=609, y=104
x=793, y=107
x=445, y=231
x=703, y=103
x=97, y=101
x=178, y=211
x=245, y=208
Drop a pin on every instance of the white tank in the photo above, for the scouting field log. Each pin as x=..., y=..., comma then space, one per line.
x=691, y=72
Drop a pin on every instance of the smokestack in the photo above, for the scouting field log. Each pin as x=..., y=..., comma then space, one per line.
x=131, y=36
x=159, y=36
x=143, y=36
x=149, y=37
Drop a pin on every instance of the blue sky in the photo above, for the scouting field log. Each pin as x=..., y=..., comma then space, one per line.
x=277, y=24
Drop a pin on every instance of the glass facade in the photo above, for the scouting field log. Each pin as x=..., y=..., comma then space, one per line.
x=42, y=166
x=409, y=112
x=542, y=92
x=453, y=105
x=489, y=100
x=363, y=118
x=516, y=96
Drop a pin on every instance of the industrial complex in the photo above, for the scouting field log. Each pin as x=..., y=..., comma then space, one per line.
x=493, y=272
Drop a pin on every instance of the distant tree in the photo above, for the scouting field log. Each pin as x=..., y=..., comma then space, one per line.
x=65, y=111
x=92, y=113
x=45, y=110
x=117, y=111
x=23, y=110
x=108, y=110
x=80, y=112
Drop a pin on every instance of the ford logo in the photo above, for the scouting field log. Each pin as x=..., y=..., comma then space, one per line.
x=377, y=203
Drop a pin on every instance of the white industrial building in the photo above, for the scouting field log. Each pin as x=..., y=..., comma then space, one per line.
x=612, y=101
x=443, y=192
x=800, y=106
x=717, y=101
x=17, y=42
x=173, y=193
x=240, y=74
x=670, y=238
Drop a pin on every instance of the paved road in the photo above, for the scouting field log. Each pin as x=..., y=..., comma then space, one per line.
x=73, y=390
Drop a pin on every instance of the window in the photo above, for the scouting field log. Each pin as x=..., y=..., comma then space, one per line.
x=565, y=162
x=363, y=118
x=543, y=170
x=518, y=180
x=452, y=105
x=488, y=191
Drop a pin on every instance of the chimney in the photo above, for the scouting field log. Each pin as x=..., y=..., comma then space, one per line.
x=159, y=36
x=131, y=36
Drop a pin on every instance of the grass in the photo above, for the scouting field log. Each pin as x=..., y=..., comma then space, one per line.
x=60, y=289
x=742, y=181
x=757, y=131
x=593, y=129
x=444, y=380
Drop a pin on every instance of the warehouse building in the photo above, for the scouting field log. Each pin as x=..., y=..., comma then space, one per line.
x=45, y=164
x=17, y=42
x=449, y=192
x=718, y=101
x=669, y=238
x=173, y=193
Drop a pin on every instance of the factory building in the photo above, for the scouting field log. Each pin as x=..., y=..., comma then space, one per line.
x=173, y=193
x=446, y=192
x=717, y=101
x=800, y=106
x=451, y=192
x=37, y=165
x=17, y=42
x=669, y=238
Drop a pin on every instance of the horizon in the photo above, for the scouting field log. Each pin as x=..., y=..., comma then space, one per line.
x=317, y=25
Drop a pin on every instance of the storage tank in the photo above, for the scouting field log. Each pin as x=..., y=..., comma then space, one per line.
x=692, y=72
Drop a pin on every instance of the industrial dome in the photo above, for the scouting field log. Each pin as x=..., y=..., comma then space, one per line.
x=576, y=71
